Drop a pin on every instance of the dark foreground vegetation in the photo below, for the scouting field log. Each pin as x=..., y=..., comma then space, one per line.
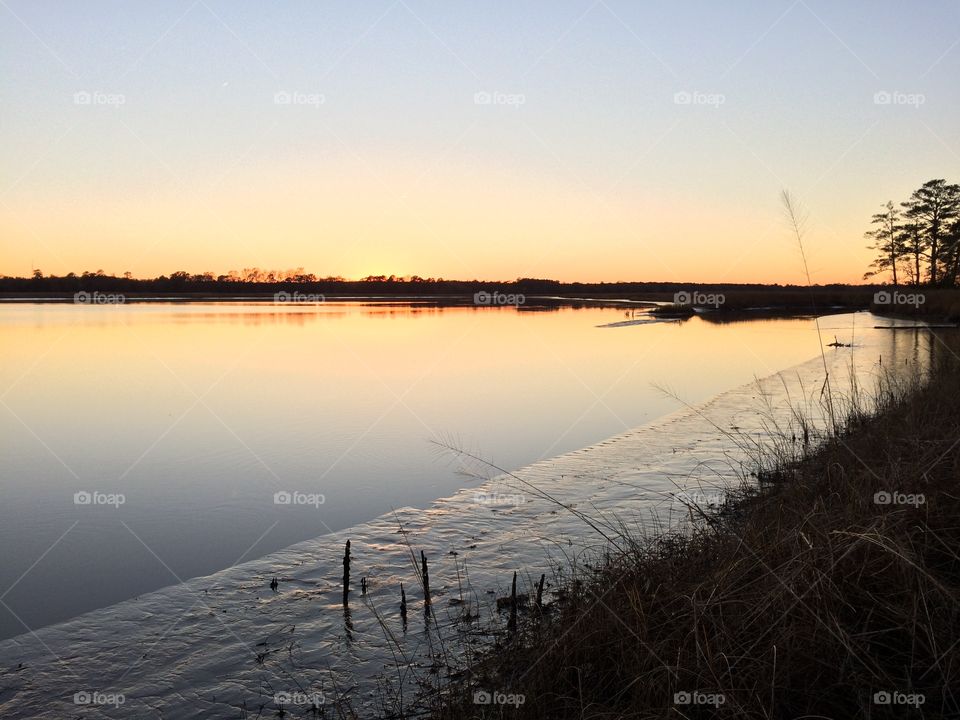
x=829, y=587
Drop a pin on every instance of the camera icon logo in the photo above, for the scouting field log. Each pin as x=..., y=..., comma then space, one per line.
x=882, y=298
x=682, y=298
x=882, y=498
x=82, y=698
x=482, y=697
x=682, y=698
x=882, y=698
x=882, y=98
x=282, y=498
x=82, y=498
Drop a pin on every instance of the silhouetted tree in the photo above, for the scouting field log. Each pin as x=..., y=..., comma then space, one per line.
x=887, y=241
x=952, y=246
x=914, y=246
x=935, y=206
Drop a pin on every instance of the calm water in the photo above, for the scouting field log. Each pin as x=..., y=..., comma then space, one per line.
x=199, y=414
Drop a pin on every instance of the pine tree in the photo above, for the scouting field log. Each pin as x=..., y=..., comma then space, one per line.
x=935, y=207
x=887, y=241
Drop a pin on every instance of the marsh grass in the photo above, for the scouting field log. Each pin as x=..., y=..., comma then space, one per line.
x=799, y=596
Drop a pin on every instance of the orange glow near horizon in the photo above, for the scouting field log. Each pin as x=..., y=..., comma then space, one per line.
x=454, y=225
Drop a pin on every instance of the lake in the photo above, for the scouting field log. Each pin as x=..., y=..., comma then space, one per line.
x=148, y=443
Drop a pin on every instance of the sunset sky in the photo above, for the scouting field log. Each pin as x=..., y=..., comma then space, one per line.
x=589, y=140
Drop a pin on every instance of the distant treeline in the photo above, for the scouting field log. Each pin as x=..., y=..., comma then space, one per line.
x=256, y=281
x=936, y=303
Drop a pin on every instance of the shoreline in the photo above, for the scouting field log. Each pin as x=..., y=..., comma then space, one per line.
x=759, y=595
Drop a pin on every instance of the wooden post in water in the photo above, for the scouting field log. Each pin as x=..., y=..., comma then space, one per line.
x=512, y=623
x=543, y=576
x=403, y=605
x=363, y=586
x=425, y=572
x=346, y=572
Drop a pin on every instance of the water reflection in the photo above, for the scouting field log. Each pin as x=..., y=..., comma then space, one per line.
x=203, y=415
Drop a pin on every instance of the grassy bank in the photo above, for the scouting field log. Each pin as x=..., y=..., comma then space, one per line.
x=829, y=589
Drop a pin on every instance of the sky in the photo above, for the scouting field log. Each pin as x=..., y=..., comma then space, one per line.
x=593, y=140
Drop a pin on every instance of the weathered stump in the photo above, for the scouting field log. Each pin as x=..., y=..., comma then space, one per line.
x=346, y=572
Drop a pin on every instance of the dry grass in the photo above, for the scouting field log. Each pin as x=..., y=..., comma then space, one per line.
x=802, y=597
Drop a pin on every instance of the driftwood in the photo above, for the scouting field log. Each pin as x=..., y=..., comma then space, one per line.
x=837, y=343
x=925, y=326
